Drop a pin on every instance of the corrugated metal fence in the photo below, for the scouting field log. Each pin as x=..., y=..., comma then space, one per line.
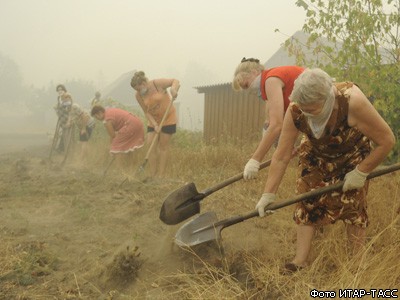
x=231, y=116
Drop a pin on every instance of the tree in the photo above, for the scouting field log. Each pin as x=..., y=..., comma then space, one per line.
x=360, y=40
x=12, y=91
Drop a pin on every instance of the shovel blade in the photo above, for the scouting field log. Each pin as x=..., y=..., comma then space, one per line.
x=180, y=205
x=198, y=231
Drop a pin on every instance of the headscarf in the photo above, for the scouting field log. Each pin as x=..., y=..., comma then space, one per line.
x=318, y=122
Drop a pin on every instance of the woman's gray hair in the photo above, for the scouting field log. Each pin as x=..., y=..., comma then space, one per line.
x=312, y=86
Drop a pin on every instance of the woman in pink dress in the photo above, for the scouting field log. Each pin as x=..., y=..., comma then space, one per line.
x=125, y=129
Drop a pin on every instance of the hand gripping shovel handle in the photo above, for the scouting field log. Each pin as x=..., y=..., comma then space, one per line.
x=298, y=198
x=229, y=181
x=185, y=201
x=157, y=133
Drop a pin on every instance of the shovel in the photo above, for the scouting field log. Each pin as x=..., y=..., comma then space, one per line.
x=108, y=166
x=183, y=203
x=55, y=138
x=206, y=227
x=146, y=159
x=69, y=139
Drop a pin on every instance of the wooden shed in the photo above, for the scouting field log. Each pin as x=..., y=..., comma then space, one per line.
x=230, y=115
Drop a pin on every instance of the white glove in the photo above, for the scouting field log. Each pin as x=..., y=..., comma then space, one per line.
x=265, y=200
x=251, y=169
x=354, y=180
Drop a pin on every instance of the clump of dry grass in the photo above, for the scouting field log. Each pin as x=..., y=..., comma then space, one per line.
x=208, y=278
x=124, y=268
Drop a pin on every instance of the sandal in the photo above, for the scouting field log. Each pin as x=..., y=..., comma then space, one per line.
x=290, y=268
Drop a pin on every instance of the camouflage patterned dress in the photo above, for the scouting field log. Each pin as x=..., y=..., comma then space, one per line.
x=326, y=161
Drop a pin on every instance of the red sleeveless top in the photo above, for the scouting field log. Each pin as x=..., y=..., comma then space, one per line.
x=287, y=74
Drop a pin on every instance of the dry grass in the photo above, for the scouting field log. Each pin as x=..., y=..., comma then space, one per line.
x=331, y=267
x=245, y=265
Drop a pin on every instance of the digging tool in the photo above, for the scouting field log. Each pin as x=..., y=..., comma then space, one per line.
x=55, y=138
x=108, y=166
x=183, y=203
x=143, y=165
x=70, y=134
x=206, y=227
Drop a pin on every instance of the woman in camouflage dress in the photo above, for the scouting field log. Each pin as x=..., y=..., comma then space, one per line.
x=338, y=125
x=63, y=108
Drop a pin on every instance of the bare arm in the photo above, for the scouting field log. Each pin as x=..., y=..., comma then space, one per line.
x=273, y=89
x=110, y=129
x=282, y=155
x=173, y=84
x=83, y=121
x=365, y=118
x=152, y=120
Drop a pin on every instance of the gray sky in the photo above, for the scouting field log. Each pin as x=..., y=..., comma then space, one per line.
x=80, y=39
x=98, y=40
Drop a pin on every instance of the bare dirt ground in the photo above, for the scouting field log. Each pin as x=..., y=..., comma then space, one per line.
x=67, y=233
x=76, y=235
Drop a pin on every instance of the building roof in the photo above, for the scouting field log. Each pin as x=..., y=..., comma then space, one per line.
x=121, y=89
x=204, y=88
x=281, y=57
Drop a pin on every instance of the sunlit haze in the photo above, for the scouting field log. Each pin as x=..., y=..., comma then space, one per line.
x=98, y=40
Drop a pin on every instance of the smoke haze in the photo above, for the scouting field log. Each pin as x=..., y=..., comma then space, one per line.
x=95, y=41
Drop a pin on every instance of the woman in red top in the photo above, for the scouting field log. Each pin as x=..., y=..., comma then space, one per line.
x=274, y=87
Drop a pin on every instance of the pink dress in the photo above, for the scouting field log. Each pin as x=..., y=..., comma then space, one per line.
x=129, y=130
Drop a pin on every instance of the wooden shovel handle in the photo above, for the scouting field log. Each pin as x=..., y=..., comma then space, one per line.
x=70, y=134
x=160, y=126
x=55, y=137
x=109, y=165
x=301, y=197
x=230, y=180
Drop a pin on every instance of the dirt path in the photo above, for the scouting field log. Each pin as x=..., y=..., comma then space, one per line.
x=68, y=234
x=67, y=229
x=17, y=142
